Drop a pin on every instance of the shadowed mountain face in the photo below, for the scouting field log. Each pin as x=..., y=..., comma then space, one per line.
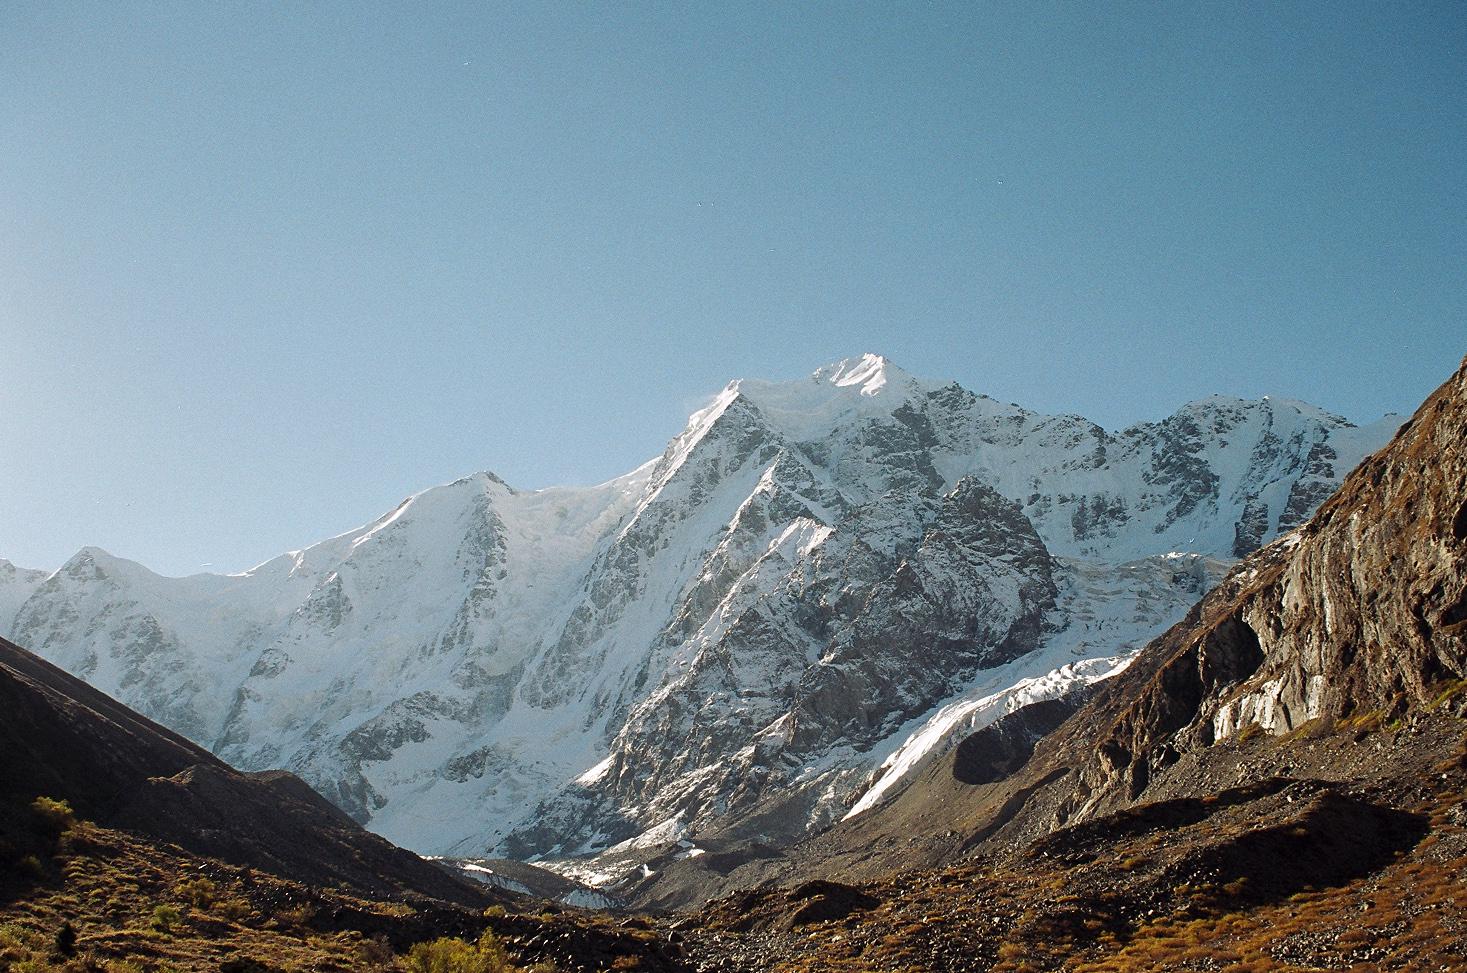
x=816, y=583
x=62, y=739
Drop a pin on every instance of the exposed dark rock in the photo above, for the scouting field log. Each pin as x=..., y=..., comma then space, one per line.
x=1003, y=746
x=821, y=901
x=1252, y=528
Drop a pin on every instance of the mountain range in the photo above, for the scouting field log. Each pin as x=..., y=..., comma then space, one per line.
x=817, y=589
x=1275, y=781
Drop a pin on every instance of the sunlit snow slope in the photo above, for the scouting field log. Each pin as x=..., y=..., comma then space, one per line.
x=817, y=584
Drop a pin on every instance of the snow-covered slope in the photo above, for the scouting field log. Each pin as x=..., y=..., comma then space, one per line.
x=16, y=586
x=817, y=583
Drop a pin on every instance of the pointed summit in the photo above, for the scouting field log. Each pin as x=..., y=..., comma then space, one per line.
x=870, y=374
x=809, y=408
x=90, y=560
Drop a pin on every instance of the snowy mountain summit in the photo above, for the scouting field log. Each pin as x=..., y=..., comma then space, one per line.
x=818, y=584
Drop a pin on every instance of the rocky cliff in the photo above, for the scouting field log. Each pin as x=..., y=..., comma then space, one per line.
x=1362, y=611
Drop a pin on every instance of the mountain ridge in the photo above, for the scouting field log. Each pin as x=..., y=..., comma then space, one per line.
x=1192, y=405
x=1259, y=657
x=526, y=637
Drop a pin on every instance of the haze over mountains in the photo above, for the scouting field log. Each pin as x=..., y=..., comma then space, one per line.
x=815, y=586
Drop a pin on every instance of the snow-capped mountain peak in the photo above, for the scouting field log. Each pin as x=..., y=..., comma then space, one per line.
x=868, y=373
x=849, y=390
x=742, y=633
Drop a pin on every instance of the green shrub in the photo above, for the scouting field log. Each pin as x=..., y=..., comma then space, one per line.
x=233, y=910
x=164, y=916
x=445, y=956
x=17, y=942
x=197, y=892
x=456, y=956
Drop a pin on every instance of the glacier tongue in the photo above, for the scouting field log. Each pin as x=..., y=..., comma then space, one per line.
x=1112, y=612
x=765, y=629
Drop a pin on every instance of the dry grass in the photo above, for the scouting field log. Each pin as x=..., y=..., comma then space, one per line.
x=135, y=907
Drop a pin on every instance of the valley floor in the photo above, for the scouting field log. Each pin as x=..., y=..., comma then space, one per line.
x=1281, y=873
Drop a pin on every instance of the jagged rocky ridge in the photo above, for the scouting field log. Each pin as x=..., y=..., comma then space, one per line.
x=726, y=634
x=1364, y=609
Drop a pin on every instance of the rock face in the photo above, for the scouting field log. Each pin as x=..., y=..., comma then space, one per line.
x=1364, y=609
x=815, y=582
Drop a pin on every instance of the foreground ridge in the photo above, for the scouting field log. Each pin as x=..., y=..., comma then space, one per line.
x=126, y=847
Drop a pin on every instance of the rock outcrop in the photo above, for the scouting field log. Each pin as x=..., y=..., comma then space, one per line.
x=1362, y=611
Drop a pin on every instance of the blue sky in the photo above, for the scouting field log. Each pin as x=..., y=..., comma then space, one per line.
x=266, y=269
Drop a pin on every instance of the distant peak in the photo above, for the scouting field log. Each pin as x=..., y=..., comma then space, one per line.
x=90, y=562
x=482, y=478
x=868, y=373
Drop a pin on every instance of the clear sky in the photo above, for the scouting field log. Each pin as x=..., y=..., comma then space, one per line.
x=265, y=269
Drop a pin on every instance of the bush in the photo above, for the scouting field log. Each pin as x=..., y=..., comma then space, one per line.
x=30, y=866
x=16, y=943
x=164, y=916
x=298, y=915
x=374, y=954
x=197, y=892
x=456, y=956
x=233, y=910
x=445, y=956
x=66, y=939
x=55, y=816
